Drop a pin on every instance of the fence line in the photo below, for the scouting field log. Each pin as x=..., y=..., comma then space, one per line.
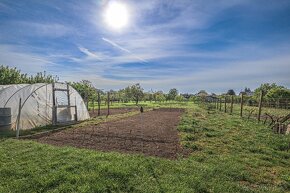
x=262, y=110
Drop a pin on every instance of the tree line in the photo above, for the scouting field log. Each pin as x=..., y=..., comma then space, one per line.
x=272, y=92
x=14, y=76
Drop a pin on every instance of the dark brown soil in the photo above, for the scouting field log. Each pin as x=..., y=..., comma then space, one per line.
x=152, y=133
x=113, y=111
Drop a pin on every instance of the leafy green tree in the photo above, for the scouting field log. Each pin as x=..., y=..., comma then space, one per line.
x=192, y=98
x=265, y=88
x=85, y=89
x=137, y=92
x=172, y=94
x=160, y=97
x=134, y=92
x=10, y=75
x=278, y=95
x=179, y=98
x=231, y=92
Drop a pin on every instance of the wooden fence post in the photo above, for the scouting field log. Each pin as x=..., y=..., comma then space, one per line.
x=260, y=106
x=108, y=103
x=225, y=104
x=99, y=104
x=220, y=104
x=216, y=103
x=242, y=105
x=232, y=103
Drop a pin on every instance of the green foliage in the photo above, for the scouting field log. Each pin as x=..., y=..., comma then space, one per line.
x=134, y=92
x=172, y=94
x=85, y=89
x=160, y=97
x=265, y=88
x=179, y=98
x=231, y=92
x=278, y=93
x=10, y=75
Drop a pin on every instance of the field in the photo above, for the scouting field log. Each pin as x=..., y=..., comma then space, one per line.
x=218, y=152
x=150, y=133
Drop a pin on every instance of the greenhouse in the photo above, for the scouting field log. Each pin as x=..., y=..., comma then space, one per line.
x=26, y=106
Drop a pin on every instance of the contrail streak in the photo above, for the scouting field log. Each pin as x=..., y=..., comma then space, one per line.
x=123, y=49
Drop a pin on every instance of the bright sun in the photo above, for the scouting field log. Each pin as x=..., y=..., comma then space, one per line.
x=116, y=15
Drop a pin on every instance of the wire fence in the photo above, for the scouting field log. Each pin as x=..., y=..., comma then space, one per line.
x=272, y=112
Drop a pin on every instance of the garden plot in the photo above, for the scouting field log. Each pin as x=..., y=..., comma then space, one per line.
x=113, y=111
x=151, y=133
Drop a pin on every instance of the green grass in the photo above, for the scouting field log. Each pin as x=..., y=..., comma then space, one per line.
x=229, y=154
x=246, y=110
x=147, y=104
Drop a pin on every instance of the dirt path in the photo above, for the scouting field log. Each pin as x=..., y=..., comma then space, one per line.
x=151, y=133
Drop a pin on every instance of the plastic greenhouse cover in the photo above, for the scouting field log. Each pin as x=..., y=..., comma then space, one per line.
x=37, y=103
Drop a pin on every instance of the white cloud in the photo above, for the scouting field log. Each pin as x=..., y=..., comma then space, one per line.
x=20, y=57
x=123, y=49
x=35, y=29
x=92, y=55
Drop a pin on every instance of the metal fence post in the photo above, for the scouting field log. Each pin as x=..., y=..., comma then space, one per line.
x=18, y=120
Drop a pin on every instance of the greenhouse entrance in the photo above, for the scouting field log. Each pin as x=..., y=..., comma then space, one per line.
x=63, y=111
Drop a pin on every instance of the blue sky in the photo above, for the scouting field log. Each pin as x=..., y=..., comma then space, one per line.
x=187, y=44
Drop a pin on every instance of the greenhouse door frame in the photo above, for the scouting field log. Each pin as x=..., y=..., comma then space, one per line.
x=55, y=106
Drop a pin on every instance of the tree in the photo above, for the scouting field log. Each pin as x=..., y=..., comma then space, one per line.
x=172, y=94
x=85, y=89
x=134, y=92
x=231, y=92
x=179, y=98
x=137, y=92
x=265, y=88
x=280, y=95
x=10, y=75
x=160, y=98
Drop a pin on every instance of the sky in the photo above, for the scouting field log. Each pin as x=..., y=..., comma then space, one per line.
x=185, y=44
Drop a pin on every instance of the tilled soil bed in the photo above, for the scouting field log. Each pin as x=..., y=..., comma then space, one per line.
x=113, y=111
x=152, y=133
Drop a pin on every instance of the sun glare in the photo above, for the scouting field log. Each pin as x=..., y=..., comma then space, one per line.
x=116, y=15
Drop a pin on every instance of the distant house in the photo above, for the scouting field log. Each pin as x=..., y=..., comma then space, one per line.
x=186, y=95
x=210, y=98
x=201, y=93
x=247, y=93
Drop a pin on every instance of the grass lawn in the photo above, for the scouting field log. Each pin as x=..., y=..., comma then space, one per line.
x=229, y=155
